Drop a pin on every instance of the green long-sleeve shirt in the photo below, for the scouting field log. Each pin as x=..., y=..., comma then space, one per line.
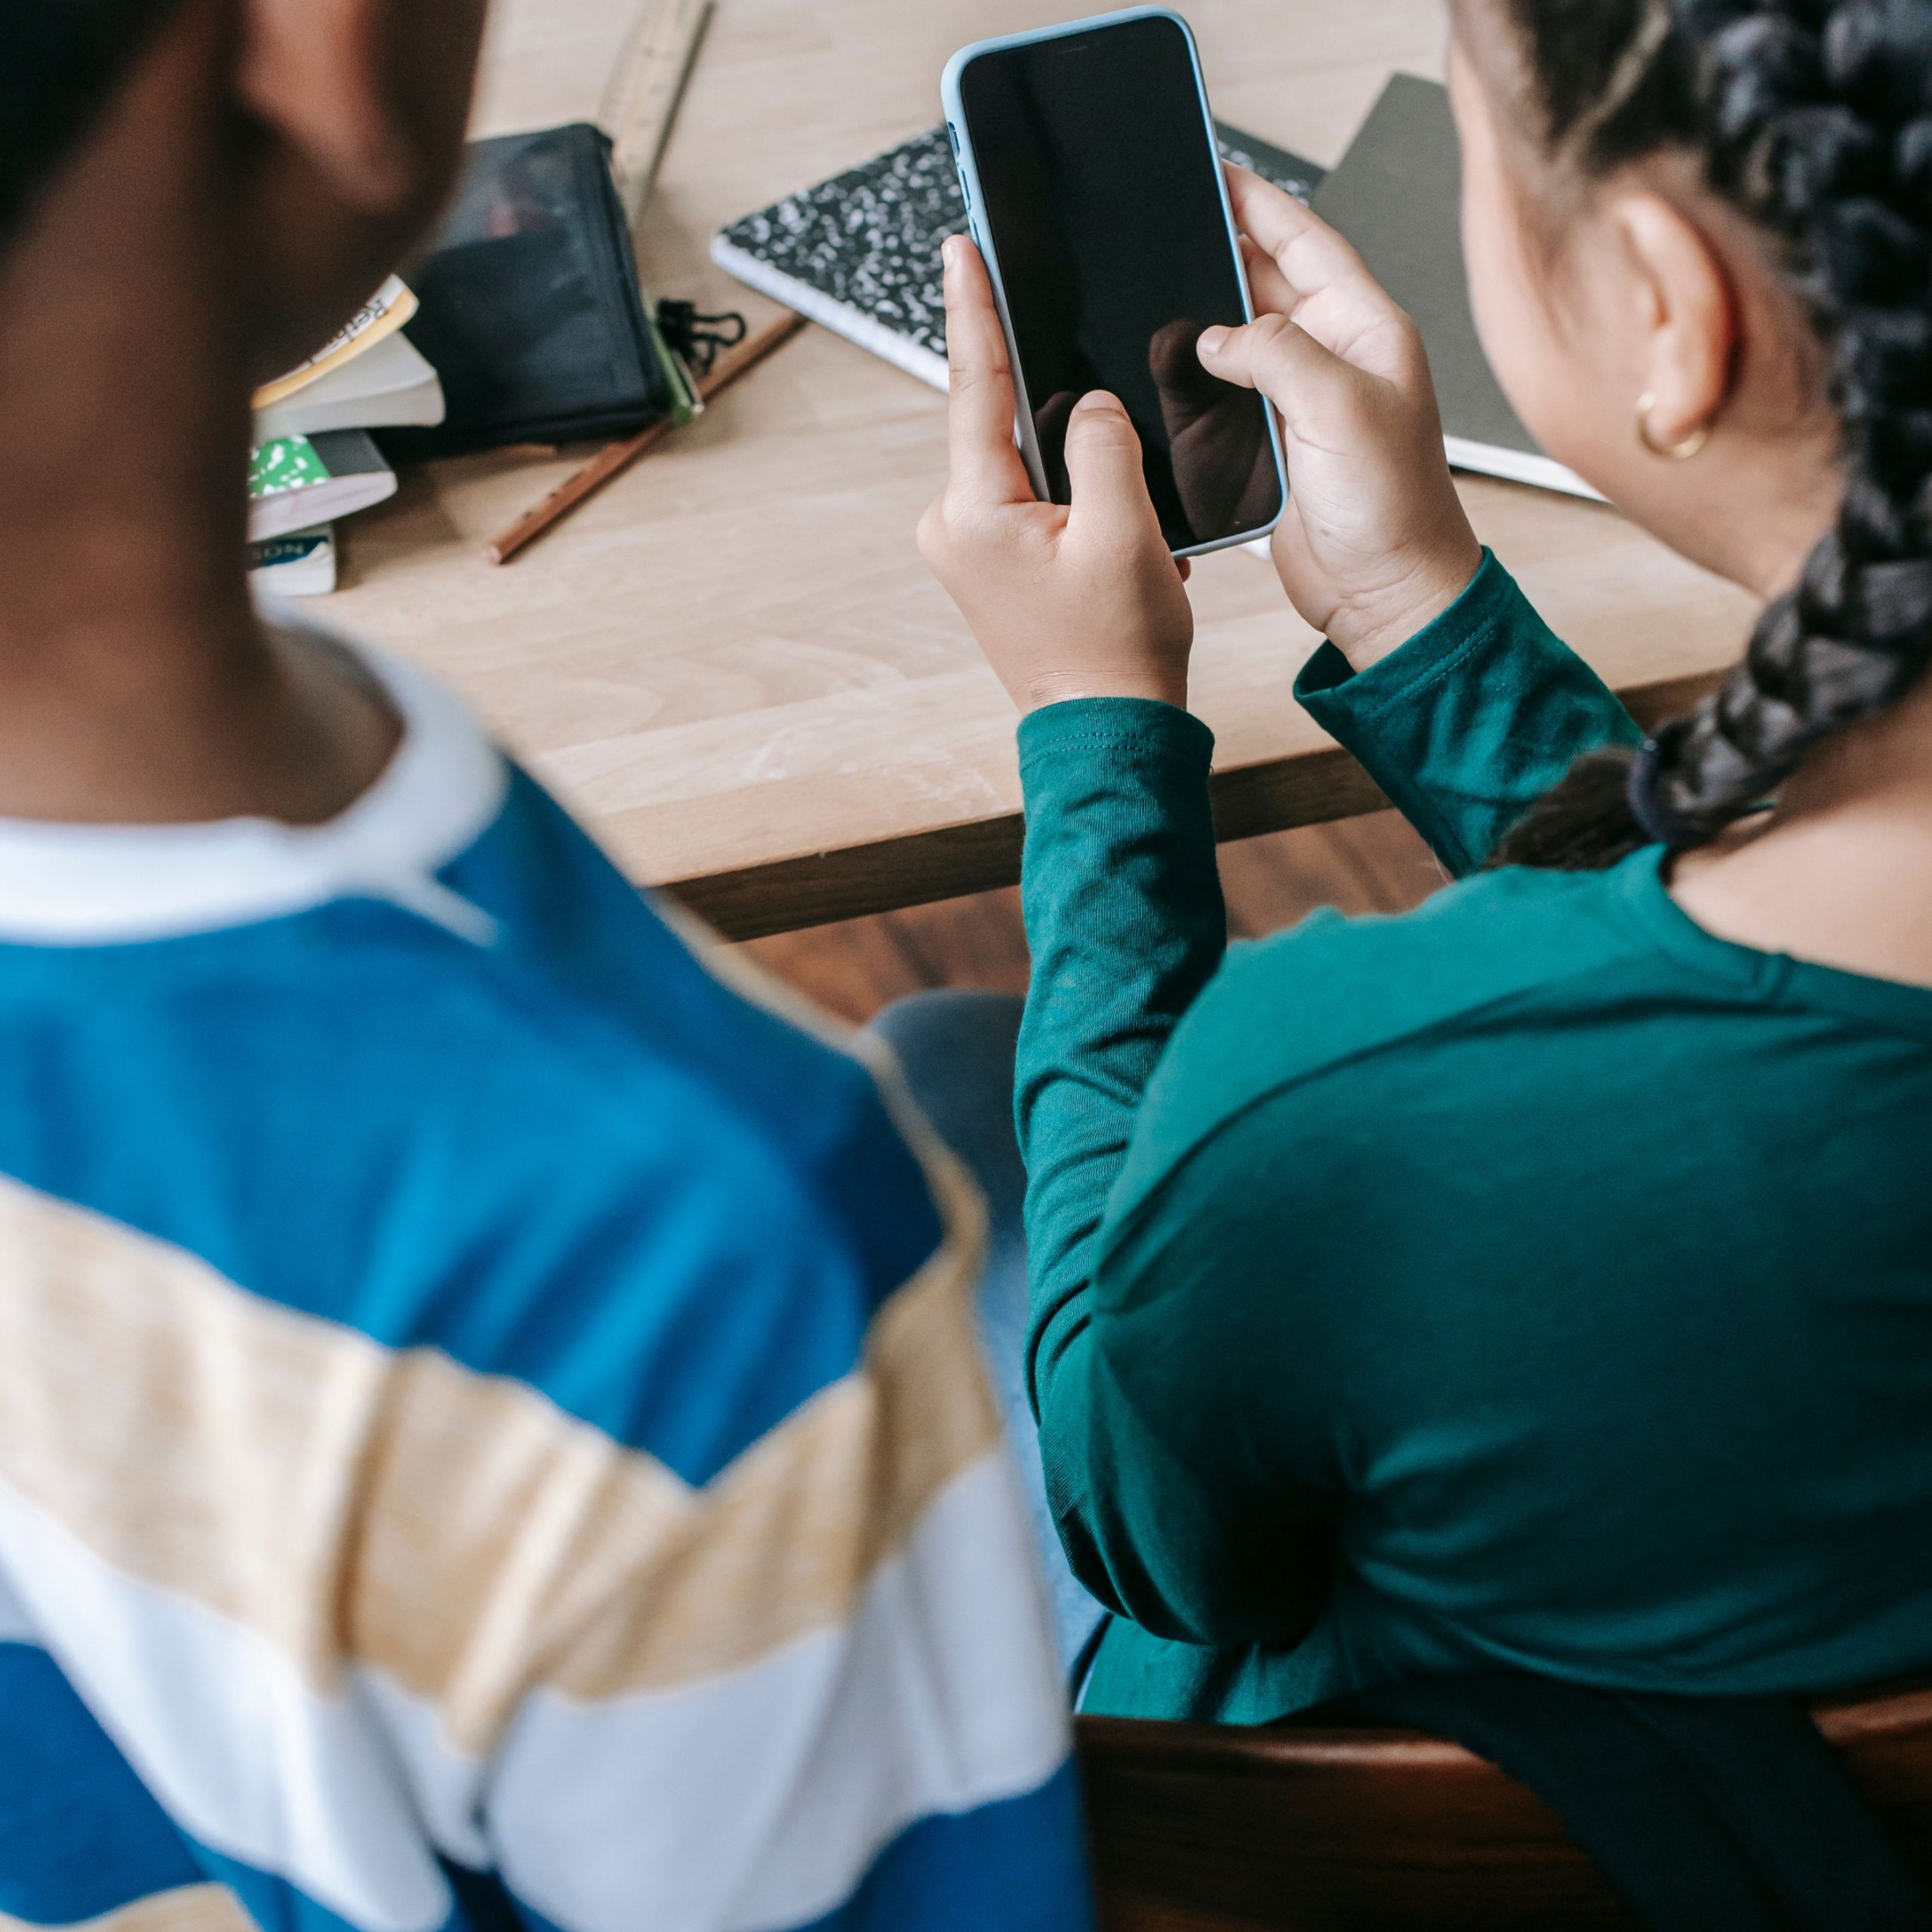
x=1534, y=1279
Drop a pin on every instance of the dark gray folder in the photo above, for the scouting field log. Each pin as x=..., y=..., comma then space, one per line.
x=1396, y=194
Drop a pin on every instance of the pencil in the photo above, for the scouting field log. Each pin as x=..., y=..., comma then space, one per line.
x=619, y=456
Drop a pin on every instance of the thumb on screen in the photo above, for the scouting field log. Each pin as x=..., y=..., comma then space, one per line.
x=1104, y=467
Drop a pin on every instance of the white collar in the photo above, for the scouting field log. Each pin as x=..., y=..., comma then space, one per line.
x=66, y=884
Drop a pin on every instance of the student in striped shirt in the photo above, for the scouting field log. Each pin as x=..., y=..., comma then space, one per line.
x=492, y=1429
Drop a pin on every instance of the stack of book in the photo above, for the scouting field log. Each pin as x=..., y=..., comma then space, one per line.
x=314, y=461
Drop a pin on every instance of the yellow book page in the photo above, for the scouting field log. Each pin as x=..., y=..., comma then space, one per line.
x=381, y=315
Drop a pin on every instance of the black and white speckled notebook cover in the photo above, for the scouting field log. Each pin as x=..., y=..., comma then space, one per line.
x=860, y=253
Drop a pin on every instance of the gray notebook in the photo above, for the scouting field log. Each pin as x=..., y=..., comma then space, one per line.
x=1395, y=195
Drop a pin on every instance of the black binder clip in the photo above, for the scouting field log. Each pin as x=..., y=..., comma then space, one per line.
x=699, y=339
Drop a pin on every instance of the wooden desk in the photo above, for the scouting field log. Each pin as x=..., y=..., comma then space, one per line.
x=732, y=663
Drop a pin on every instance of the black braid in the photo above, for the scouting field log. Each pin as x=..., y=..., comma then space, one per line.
x=59, y=62
x=1814, y=117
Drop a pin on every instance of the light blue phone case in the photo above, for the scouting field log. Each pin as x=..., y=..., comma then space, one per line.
x=969, y=181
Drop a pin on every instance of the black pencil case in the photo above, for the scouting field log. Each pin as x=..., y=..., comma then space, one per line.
x=531, y=314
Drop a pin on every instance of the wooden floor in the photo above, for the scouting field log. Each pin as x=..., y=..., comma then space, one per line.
x=1367, y=865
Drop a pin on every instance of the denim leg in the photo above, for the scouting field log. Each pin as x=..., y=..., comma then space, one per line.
x=956, y=1050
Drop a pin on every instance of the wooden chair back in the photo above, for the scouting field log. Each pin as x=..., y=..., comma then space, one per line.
x=1201, y=1828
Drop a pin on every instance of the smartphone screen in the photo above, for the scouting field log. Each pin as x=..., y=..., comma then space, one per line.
x=1100, y=184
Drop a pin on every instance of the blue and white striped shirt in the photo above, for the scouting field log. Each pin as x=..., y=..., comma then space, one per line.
x=492, y=1432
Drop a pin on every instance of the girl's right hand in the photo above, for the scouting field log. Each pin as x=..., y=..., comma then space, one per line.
x=1374, y=542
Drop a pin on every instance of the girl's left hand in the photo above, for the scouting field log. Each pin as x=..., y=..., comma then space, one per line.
x=1079, y=600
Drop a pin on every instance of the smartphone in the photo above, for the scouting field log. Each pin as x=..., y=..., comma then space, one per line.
x=1094, y=188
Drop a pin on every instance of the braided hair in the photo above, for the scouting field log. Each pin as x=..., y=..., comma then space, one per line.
x=59, y=60
x=1814, y=119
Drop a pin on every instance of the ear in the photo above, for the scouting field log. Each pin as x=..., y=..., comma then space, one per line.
x=315, y=72
x=1686, y=313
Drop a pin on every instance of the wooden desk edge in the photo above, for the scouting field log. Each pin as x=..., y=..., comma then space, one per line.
x=1273, y=795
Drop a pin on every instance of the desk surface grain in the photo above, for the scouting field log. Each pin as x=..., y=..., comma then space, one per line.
x=731, y=663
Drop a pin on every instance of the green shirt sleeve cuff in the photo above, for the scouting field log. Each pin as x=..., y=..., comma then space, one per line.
x=1328, y=682
x=1466, y=725
x=1064, y=748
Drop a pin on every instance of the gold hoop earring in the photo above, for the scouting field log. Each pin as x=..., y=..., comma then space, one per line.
x=1675, y=452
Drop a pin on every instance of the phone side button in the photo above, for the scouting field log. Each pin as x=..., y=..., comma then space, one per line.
x=952, y=135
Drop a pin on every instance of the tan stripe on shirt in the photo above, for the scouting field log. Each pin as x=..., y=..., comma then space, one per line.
x=188, y=1908
x=455, y=1530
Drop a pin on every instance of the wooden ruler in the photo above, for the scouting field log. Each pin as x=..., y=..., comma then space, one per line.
x=640, y=103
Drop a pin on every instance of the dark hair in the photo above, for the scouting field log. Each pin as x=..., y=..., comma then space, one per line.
x=59, y=60
x=1814, y=119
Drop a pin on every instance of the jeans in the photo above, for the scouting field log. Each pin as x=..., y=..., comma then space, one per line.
x=956, y=1050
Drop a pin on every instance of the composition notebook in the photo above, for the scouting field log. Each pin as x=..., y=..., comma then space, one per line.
x=859, y=254
x=297, y=482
